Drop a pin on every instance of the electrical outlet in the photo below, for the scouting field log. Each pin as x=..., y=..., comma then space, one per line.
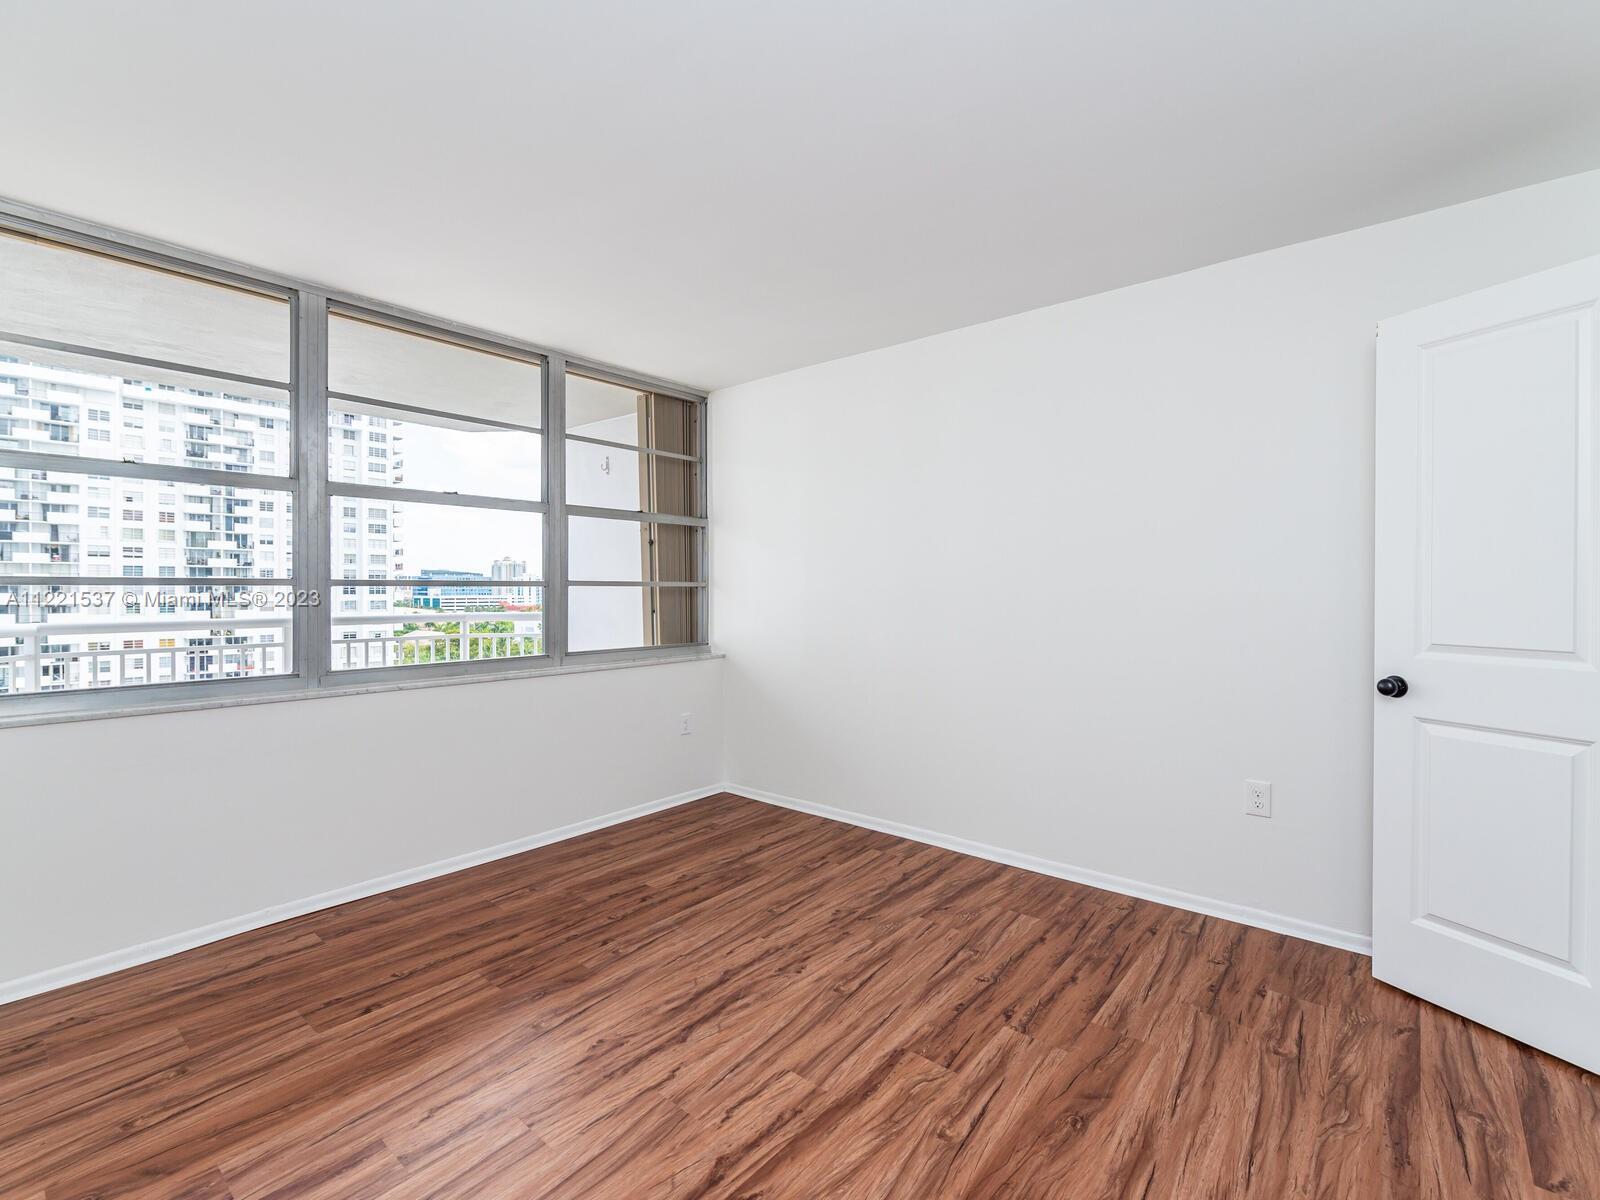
x=1257, y=798
x=685, y=724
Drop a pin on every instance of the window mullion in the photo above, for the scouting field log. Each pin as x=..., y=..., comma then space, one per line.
x=700, y=417
x=312, y=570
x=136, y=360
x=555, y=525
x=401, y=495
x=419, y=410
x=641, y=516
x=135, y=583
x=114, y=468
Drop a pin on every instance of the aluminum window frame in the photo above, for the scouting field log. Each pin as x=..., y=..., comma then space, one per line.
x=85, y=699
x=481, y=343
x=702, y=584
x=311, y=491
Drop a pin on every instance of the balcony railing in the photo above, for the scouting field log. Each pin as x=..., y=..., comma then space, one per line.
x=421, y=647
x=33, y=659
x=30, y=663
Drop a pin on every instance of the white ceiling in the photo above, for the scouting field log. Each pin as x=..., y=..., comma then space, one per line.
x=716, y=190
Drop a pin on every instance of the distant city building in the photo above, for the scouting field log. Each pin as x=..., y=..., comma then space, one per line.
x=523, y=596
x=454, y=598
x=369, y=543
x=71, y=521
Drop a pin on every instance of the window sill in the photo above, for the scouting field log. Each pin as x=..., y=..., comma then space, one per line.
x=135, y=709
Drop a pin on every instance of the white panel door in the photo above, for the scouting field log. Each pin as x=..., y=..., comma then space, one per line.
x=1486, y=840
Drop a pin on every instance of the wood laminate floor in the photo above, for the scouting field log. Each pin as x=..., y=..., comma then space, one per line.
x=734, y=1000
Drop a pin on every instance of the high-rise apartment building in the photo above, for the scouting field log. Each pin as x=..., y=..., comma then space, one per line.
x=521, y=596
x=58, y=526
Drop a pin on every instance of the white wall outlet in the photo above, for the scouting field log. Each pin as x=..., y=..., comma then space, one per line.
x=1257, y=798
x=685, y=724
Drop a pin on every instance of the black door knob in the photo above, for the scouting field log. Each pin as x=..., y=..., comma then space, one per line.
x=1392, y=686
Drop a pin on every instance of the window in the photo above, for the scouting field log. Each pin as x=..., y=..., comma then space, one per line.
x=442, y=556
x=76, y=320
x=468, y=421
x=635, y=529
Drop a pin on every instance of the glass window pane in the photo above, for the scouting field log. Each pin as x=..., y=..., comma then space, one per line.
x=605, y=549
x=380, y=363
x=606, y=618
x=677, y=616
x=64, y=523
x=673, y=486
x=632, y=417
x=603, y=410
x=676, y=553
x=138, y=632
x=393, y=539
x=610, y=477
x=602, y=476
x=389, y=447
x=415, y=626
x=610, y=548
x=57, y=403
x=674, y=425
x=649, y=479
x=61, y=294
x=620, y=618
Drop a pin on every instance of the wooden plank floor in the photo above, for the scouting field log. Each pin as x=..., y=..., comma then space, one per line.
x=734, y=1000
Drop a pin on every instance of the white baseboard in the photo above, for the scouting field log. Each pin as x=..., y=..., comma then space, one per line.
x=1360, y=943
x=133, y=956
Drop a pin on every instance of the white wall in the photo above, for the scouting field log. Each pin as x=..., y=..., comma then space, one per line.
x=1060, y=583
x=124, y=831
